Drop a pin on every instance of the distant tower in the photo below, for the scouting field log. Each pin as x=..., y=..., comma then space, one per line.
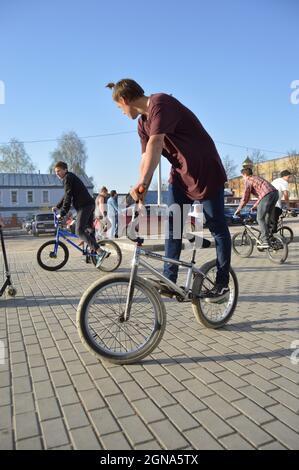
x=247, y=163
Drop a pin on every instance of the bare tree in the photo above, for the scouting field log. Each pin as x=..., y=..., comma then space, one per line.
x=14, y=158
x=293, y=167
x=229, y=166
x=257, y=158
x=71, y=150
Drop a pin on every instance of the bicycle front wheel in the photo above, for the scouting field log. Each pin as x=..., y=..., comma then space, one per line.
x=101, y=325
x=114, y=258
x=48, y=259
x=242, y=244
x=213, y=315
x=287, y=234
x=278, y=250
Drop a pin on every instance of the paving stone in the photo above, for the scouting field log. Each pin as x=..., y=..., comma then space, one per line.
x=85, y=439
x=235, y=442
x=48, y=408
x=119, y=406
x=202, y=440
x=23, y=402
x=180, y=417
x=92, y=399
x=104, y=421
x=30, y=444
x=284, y=434
x=116, y=441
x=250, y=431
x=285, y=415
x=286, y=399
x=26, y=425
x=54, y=433
x=220, y=406
x=160, y=396
x=167, y=435
x=148, y=410
x=253, y=411
x=216, y=426
x=75, y=416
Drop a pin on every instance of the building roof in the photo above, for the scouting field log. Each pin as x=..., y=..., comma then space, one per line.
x=34, y=180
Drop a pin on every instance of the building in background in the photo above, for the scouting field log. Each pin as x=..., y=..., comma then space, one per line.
x=23, y=195
x=270, y=170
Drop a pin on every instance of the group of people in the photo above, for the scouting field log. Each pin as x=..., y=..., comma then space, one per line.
x=167, y=127
x=106, y=213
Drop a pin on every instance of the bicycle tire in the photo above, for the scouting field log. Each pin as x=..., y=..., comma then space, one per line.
x=279, y=255
x=115, y=343
x=213, y=315
x=51, y=267
x=111, y=263
x=286, y=233
x=241, y=239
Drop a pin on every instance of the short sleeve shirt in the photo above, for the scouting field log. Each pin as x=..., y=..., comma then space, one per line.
x=281, y=185
x=196, y=166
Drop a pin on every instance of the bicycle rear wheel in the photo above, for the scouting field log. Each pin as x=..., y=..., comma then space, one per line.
x=242, y=244
x=48, y=259
x=101, y=325
x=112, y=262
x=278, y=251
x=213, y=315
x=287, y=234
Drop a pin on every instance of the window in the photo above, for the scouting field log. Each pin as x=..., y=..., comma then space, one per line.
x=45, y=197
x=275, y=174
x=14, y=197
x=29, y=197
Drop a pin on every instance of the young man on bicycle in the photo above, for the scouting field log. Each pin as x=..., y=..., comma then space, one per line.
x=282, y=186
x=166, y=127
x=76, y=194
x=267, y=197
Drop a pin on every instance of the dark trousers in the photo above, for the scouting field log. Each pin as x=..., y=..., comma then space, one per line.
x=266, y=214
x=84, y=228
x=215, y=220
x=277, y=214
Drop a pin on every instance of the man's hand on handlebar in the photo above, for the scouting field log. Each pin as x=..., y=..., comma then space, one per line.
x=138, y=193
x=238, y=212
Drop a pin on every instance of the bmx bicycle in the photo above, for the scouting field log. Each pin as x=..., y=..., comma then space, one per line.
x=54, y=254
x=121, y=318
x=243, y=243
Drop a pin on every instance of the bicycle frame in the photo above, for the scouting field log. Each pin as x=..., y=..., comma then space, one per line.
x=251, y=230
x=183, y=293
x=65, y=234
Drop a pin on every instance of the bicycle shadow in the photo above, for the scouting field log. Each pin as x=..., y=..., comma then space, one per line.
x=41, y=301
x=218, y=358
x=249, y=326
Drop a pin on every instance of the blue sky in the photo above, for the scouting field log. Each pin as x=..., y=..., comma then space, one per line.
x=231, y=61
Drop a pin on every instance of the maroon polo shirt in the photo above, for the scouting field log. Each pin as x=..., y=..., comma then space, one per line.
x=196, y=166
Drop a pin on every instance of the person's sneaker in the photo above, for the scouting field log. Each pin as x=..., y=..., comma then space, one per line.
x=263, y=244
x=101, y=256
x=216, y=294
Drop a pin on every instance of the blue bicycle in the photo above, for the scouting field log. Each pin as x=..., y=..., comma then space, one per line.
x=54, y=254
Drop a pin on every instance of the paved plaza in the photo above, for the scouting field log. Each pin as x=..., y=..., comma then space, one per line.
x=234, y=388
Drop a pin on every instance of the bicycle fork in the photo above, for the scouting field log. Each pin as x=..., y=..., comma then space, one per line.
x=130, y=294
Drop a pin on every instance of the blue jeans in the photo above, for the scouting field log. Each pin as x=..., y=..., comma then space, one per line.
x=215, y=220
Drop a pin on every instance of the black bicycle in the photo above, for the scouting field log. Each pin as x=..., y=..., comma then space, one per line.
x=243, y=243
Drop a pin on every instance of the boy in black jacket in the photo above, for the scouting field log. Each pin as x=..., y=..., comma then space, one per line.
x=77, y=195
